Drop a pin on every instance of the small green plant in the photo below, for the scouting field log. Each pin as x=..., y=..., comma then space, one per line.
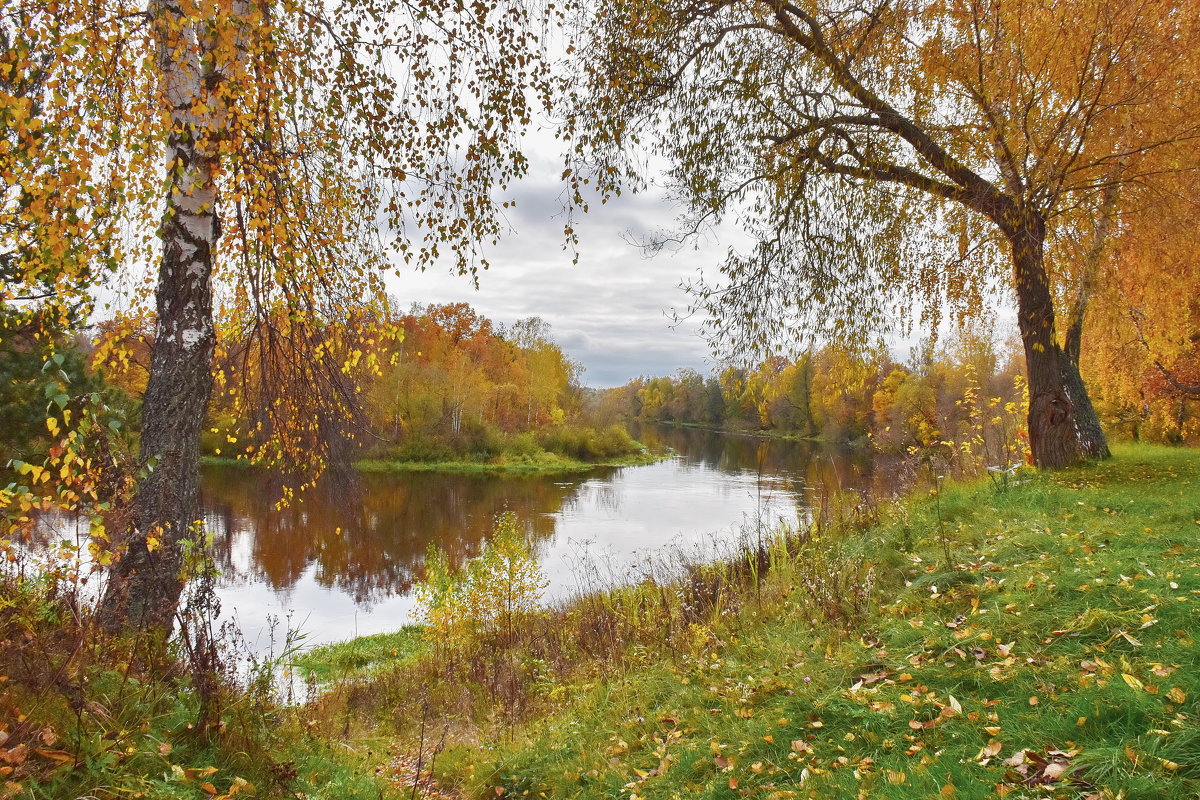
x=483, y=602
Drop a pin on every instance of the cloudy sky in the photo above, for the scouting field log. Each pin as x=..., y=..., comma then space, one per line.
x=612, y=310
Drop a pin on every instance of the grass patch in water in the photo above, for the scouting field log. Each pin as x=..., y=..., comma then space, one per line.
x=357, y=658
x=541, y=463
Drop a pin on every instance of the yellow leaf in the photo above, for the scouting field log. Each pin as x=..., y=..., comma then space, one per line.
x=60, y=756
x=1133, y=682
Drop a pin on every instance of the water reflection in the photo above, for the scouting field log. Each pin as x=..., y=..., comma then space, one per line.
x=345, y=559
x=369, y=540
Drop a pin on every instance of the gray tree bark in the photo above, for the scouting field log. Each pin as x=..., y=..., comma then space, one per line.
x=146, y=583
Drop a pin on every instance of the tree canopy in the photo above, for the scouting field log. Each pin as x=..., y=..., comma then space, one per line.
x=887, y=156
x=257, y=157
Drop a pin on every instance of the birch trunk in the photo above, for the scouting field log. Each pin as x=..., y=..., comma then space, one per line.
x=146, y=583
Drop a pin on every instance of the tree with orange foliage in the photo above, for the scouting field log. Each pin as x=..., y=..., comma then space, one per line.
x=889, y=155
x=1143, y=345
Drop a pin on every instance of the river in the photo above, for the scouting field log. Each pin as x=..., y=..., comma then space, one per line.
x=342, y=563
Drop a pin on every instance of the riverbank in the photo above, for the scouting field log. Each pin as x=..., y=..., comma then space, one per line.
x=981, y=641
x=541, y=463
x=766, y=434
x=699, y=426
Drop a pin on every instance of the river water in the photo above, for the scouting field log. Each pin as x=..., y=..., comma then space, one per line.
x=342, y=563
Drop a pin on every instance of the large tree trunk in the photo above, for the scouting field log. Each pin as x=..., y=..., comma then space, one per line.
x=146, y=584
x=1063, y=427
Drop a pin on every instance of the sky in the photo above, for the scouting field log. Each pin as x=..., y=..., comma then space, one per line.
x=613, y=310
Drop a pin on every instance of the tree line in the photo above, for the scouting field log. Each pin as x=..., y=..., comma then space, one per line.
x=962, y=403
x=969, y=390
x=433, y=383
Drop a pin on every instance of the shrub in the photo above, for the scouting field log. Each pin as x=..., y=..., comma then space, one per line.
x=483, y=602
x=588, y=444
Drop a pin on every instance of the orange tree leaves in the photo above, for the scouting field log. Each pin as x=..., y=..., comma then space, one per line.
x=883, y=156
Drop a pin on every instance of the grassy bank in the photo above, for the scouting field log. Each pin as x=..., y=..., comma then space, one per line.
x=86, y=714
x=563, y=451
x=735, y=431
x=360, y=658
x=1035, y=641
x=538, y=463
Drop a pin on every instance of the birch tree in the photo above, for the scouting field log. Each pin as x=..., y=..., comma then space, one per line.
x=270, y=160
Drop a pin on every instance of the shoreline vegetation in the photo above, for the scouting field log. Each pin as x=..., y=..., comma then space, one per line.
x=786, y=436
x=1034, y=636
x=975, y=640
x=541, y=462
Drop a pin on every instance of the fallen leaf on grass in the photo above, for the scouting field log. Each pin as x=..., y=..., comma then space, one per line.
x=989, y=750
x=62, y=757
x=15, y=755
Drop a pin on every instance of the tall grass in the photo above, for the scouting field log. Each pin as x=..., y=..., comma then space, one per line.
x=87, y=714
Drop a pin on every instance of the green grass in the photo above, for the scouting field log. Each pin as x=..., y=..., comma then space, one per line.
x=539, y=463
x=739, y=431
x=363, y=656
x=1056, y=657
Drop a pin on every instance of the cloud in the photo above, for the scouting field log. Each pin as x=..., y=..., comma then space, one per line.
x=613, y=310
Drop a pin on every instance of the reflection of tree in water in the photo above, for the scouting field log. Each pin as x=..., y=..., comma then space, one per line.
x=386, y=525
x=600, y=491
x=387, y=522
x=810, y=469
